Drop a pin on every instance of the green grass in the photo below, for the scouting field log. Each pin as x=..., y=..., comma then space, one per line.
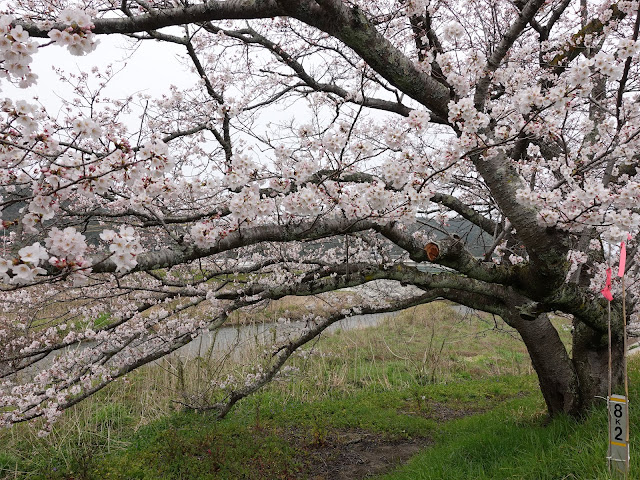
x=514, y=441
x=427, y=375
x=188, y=445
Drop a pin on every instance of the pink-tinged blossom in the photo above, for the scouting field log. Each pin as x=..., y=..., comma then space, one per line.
x=75, y=18
x=393, y=136
x=67, y=246
x=78, y=37
x=86, y=126
x=307, y=201
x=304, y=170
x=464, y=114
x=124, y=246
x=395, y=173
x=16, y=50
x=378, y=198
x=43, y=206
x=245, y=205
x=415, y=7
x=418, y=119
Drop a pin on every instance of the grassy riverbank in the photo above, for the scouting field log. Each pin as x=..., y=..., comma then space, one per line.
x=428, y=394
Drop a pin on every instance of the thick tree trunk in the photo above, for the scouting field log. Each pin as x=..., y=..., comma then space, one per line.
x=557, y=376
x=570, y=385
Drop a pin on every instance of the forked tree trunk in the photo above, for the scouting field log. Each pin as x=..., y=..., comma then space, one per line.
x=569, y=386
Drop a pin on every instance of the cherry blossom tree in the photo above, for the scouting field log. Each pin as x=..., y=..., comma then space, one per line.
x=314, y=137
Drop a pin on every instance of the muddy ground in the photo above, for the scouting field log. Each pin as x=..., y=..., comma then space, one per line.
x=358, y=454
x=351, y=455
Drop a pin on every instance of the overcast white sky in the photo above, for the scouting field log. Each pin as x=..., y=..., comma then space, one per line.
x=150, y=69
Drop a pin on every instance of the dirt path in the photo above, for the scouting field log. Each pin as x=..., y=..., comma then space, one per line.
x=352, y=455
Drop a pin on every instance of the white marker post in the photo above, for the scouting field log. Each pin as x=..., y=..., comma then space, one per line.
x=618, y=405
x=618, y=435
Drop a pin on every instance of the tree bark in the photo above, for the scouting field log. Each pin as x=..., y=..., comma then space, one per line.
x=557, y=376
x=571, y=385
x=591, y=362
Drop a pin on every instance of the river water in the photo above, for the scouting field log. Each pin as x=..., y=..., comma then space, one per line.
x=237, y=340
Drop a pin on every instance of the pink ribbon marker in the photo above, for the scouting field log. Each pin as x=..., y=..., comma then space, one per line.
x=606, y=291
x=623, y=259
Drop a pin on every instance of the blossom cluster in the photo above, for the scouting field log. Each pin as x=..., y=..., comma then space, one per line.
x=246, y=205
x=378, y=197
x=303, y=170
x=23, y=115
x=242, y=168
x=16, y=50
x=125, y=247
x=575, y=259
x=589, y=204
x=209, y=232
x=464, y=114
x=395, y=173
x=68, y=249
x=26, y=267
x=156, y=155
x=418, y=119
x=86, y=126
x=77, y=36
x=306, y=201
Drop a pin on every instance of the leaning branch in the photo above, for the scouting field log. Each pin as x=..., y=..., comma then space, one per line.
x=161, y=18
x=354, y=29
x=284, y=352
